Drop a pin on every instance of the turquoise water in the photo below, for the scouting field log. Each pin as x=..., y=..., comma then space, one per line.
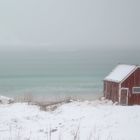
x=51, y=86
x=43, y=73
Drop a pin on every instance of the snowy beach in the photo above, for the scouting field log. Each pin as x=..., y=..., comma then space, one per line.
x=77, y=120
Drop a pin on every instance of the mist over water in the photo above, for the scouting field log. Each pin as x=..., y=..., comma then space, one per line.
x=66, y=47
x=59, y=73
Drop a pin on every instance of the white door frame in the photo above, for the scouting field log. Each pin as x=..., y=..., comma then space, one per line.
x=126, y=96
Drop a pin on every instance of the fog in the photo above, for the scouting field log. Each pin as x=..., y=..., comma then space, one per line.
x=68, y=37
x=96, y=63
x=69, y=24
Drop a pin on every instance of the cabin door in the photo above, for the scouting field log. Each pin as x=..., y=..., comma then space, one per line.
x=124, y=96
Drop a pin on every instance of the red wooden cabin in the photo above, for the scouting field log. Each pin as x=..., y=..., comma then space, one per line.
x=122, y=85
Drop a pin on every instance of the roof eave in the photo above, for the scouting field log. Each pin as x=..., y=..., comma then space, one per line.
x=111, y=81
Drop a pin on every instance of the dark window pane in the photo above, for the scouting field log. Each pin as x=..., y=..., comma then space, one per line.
x=136, y=89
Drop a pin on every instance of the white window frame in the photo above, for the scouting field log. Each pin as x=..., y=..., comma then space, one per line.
x=133, y=92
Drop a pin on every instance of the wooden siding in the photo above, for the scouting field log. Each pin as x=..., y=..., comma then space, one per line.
x=111, y=91
x=133, y=81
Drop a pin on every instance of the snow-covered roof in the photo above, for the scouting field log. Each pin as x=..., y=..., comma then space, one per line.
x=120, y=72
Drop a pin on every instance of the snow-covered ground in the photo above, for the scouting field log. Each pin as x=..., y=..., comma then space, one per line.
x=78, y=120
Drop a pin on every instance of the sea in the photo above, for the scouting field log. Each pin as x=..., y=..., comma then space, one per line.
x=54, y=74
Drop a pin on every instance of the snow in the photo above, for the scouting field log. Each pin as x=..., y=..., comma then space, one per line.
x=83, y=120
x=120, y=72
x=6, y=100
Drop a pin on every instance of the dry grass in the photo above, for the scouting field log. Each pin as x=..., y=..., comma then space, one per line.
x=45, y=105
x=93, y=135
x=24, y=98
x=52, y=105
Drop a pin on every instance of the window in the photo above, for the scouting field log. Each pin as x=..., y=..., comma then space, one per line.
x=136, y=90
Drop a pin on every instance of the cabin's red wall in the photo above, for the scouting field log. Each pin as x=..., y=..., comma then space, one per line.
x=133, y=81
x=111, y=91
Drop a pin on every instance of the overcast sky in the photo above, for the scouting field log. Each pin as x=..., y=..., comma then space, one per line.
x=59, y=24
